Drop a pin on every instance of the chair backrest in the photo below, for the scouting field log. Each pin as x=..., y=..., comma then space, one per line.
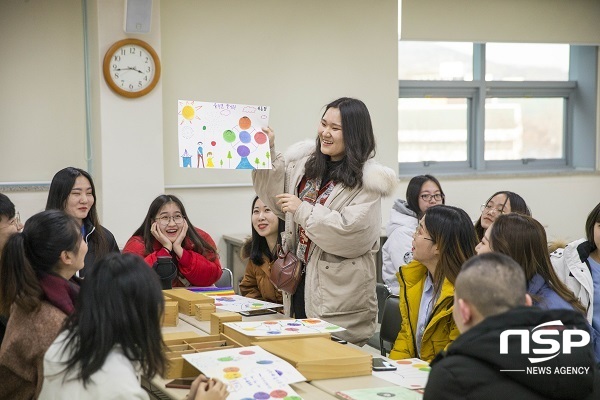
x=226, y=279
x=382, y=293
x=391, y=322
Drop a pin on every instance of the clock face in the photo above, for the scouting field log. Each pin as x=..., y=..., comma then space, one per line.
x=131, y=68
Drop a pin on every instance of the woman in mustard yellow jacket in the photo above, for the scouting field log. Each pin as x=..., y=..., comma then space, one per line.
x=445, y=238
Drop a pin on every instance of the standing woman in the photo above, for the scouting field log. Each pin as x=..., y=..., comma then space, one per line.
x=72, y=191
x=503, y=202
x=261, y=250
x=113, y=336
x=329, y=194
x=423, y=191
x=443, y=241
x=168, y=232
x=37, y=287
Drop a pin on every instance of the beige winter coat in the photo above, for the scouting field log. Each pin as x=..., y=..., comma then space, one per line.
x=340, y=274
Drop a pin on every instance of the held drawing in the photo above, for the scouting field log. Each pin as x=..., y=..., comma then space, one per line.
x=222, y=135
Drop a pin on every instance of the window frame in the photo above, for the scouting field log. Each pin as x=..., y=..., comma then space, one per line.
x=579, y=96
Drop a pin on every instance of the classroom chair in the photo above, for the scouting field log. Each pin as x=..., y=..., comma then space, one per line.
x=226, y=279
x=382, y=292
x=390, y=323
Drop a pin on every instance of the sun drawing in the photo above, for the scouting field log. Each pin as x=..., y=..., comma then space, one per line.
x=188, y=112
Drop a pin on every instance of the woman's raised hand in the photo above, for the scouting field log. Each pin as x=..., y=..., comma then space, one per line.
x=177, y=244
x=288, y=202
x=270, y=134
x=207, y=389
x=158, y=235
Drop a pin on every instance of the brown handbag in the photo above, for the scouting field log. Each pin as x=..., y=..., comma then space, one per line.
x=286, y=271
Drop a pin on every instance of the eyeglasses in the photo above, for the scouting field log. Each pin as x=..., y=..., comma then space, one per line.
x=419, y=233
x=428, y=197
x=491, y=210
x=165, y=220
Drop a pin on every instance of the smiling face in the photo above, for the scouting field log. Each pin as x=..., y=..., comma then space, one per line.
x=429, y=189
x=424, y=249
x=497, y=205
x=264, y=221
x=81, y=199
x=170, y=212
x=484, y=246
x=331, y=135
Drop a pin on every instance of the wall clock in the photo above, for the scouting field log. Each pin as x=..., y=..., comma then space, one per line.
x=131, y=68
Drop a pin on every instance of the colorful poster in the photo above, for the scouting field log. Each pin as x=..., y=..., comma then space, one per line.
x=236, y=303
x=284, y=327
x=230, y=364
x=222, y=135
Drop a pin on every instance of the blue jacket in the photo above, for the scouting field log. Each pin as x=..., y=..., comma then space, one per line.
x=544, y=296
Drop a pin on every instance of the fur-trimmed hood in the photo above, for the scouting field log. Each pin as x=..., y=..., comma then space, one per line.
x=376, y=177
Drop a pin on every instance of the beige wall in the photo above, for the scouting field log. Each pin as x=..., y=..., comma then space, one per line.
x=292, y=56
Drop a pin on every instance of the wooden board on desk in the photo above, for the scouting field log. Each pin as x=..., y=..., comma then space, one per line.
x=187, y=299
x=320, y=358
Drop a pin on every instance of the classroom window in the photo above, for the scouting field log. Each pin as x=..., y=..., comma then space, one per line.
x=495, y=107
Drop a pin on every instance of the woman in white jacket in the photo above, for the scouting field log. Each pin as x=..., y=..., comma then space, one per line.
x=329, y=194
x=423, y=191
x=113, y=337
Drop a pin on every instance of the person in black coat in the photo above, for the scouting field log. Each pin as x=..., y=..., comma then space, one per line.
x=487, y=362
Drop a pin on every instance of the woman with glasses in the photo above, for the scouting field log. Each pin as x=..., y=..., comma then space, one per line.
x=423, y=191
x=444, y=240
x=72, y=191
x=167, y=232
x=503, y=202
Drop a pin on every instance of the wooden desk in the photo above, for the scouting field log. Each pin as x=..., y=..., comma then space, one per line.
x=233, y=245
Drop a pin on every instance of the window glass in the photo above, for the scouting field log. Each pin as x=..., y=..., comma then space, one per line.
x=521, y=62
x=435, y=61
x=432, y=129
x=519, y=128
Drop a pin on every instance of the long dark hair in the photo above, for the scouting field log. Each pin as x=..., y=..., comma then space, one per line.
x=452, y=231
x=359, y=144
x=7, y=208
x=200, y=245
x=524, y=239
x=60, y=189
x=592, y=219
x=517, y=205
x=414, y=188
x=35, y=250
x=259, y=247
x=120, y=303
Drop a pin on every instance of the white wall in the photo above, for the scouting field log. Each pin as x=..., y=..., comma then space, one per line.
x=292, y=56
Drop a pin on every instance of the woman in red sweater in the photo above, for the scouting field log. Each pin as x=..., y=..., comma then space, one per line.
x=167, y=232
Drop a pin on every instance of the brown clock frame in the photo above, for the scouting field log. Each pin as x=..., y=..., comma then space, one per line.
x=107, y=61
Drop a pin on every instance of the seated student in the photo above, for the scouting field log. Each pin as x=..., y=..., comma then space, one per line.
x=523, y=238
x=423, y=191
x=167, y=231
x=113, y=336
x=503, y=202
x=260, y=249
x=490, y=298
x=444, y=240
x=10, y=223
x=578, y=266
x=36, y=286
x=72, y=190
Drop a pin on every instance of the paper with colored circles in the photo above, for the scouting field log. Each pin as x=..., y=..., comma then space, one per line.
x=216, y=135
x=241, y=362
x=412, y=373
x=236, y=303
x=379, y=393
x=262, y=385
x=284, y=327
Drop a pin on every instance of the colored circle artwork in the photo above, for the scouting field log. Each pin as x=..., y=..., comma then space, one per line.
x=278, y=394
x=256, y=305
x=419, y=366
x=270, y=322
x=260, y=138
x=292, y=398
x=231, y=369
x=229, y=136
x=243, y=151
x=213, y=143
x=232, y=375
x=312, y=321
x=250, y=328
x=332, y=327
x=187, y=112
x=294, y=324
x=225, y=299
x=246, y=352
x=204, y=127
x=245, y=123
x=261, y=396
x=245, y=137
x=404, y=362
x=264, y=362
x=426, y=369
x=273, y=332
x=228, y=358
x=292, y=329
